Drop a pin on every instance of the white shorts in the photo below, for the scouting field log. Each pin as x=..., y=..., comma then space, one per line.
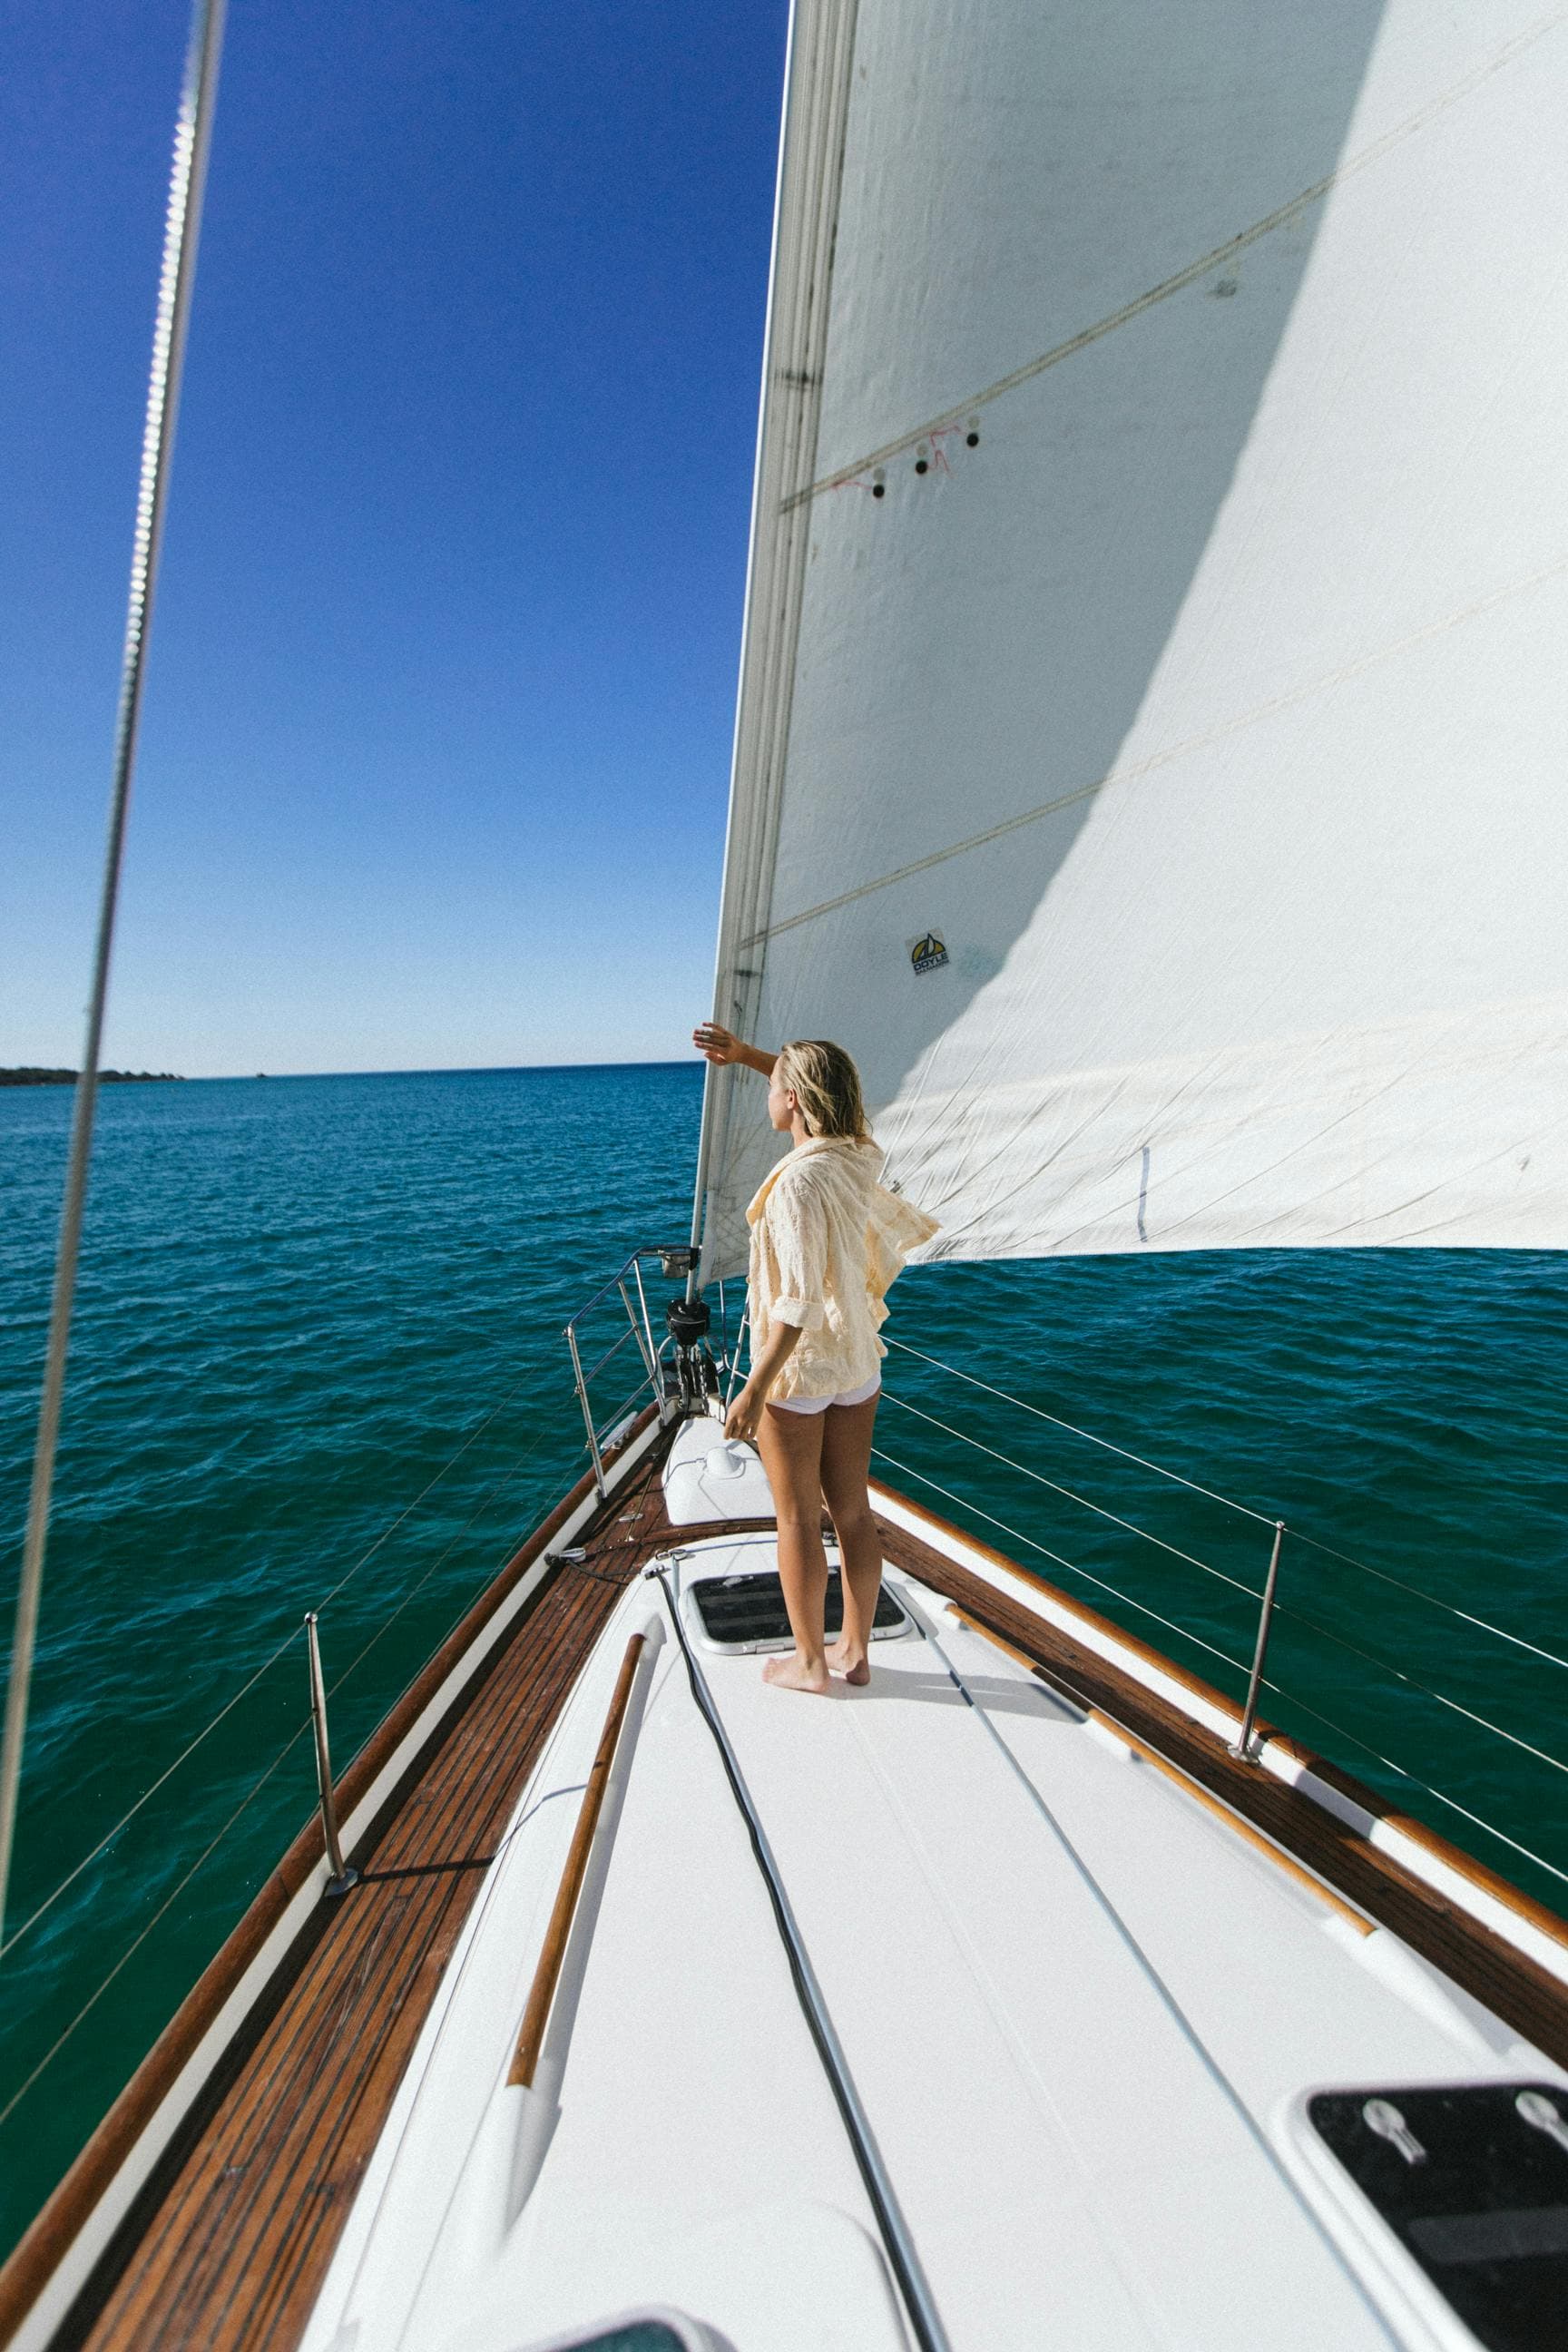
x=819, y=1404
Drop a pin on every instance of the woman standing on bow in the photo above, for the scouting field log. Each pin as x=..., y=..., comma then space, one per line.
x=827, y=1240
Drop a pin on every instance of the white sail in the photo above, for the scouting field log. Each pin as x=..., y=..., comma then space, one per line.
x=1159, y=614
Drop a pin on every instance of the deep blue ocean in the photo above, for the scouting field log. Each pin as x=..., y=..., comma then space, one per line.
x=318, y=1339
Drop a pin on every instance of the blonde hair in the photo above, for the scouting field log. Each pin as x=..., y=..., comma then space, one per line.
x=827, y=1085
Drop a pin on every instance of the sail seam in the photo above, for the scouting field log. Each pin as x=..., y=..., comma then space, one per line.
x=1188, y=276
x=1139, y=768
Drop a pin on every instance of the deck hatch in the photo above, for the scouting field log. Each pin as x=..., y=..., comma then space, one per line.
x=746, y=1611
x=652, y=2330
x=1473, y=2182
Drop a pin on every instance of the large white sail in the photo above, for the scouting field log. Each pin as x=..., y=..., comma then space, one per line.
x=1153, y=729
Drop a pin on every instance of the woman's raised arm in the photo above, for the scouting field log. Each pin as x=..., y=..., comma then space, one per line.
x=717, y=1043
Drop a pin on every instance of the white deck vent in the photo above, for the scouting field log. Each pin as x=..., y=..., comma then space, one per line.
x=707, y=1477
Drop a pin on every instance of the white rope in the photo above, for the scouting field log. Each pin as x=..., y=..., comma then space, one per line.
x=181, y=232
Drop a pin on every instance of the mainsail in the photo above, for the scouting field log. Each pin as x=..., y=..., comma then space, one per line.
x=1154, y=720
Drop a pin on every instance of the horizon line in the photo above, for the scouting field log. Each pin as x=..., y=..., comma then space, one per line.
x=437, y=1070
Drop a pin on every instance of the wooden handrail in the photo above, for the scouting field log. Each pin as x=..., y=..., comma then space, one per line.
x=49, y=2236
x=1453, y=1857
x=536, y=2016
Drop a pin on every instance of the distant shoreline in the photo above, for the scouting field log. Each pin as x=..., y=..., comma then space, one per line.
x=29, y=1076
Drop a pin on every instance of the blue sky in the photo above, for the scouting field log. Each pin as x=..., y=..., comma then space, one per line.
x=435, y=757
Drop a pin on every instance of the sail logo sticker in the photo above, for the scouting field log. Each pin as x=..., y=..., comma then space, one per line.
x=928, y=953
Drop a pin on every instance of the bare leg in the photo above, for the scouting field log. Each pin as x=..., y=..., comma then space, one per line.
x=791, y=1446
x=846, y=1463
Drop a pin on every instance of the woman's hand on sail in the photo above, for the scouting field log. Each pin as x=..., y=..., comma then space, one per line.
x=717, y=1043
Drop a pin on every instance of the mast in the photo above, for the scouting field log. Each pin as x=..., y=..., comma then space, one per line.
x=818, y=68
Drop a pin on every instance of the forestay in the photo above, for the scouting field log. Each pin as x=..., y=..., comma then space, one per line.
x=1151, y=731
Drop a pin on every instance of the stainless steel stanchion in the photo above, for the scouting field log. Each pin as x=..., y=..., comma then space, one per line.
x=341, y=1877
x=1243, y=1747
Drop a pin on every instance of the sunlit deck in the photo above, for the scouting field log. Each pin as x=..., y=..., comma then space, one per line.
x=1076, y=1989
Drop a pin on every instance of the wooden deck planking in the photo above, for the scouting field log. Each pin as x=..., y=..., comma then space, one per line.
x=247, y=2219
x=232, y=2250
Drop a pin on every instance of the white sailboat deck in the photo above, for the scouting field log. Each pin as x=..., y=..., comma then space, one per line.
x=1079, y=2011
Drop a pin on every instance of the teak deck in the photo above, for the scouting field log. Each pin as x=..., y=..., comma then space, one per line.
x=229, y=2243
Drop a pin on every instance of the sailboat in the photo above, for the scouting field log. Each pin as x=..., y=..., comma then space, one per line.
x=1148, y=760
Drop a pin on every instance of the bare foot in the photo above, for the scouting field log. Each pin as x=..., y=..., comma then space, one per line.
x=852, y=1664
x=794, y=1673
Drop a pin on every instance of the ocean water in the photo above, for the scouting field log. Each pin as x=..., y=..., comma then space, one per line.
x=318, y=1363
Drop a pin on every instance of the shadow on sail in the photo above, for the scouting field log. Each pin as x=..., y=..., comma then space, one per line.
x=980, y=624
x=1150, y=617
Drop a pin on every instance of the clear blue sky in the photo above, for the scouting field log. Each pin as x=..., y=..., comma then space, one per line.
x=435, y=758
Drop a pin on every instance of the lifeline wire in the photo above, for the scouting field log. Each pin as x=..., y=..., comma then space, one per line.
x=510, y=1479
x=289, y=1638
x=181, y=230
x=1389, y=1762
x=1016, y=1536
x=131, y=1950
x=1057, y=1422
x=208, y=1851
x=389, y=1531
x=1041, y=1480
x=1286, y=1608
x=1432, y=1601
x=167, y=1774
x=1229, y=1504
x=1392, y=1765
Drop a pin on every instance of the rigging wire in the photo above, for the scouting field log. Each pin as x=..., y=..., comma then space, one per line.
x=289, y=1640
x=71, y=1876
x=134, y=1946
x=1286, y=1608
x=182, y=231
x=1467, y=1616
x=1279, y=1691
x=1017, y=1536
x=1057, y=1422
x=963, y=1437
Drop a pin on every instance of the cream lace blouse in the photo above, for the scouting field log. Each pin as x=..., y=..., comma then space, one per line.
x=827, y=1241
